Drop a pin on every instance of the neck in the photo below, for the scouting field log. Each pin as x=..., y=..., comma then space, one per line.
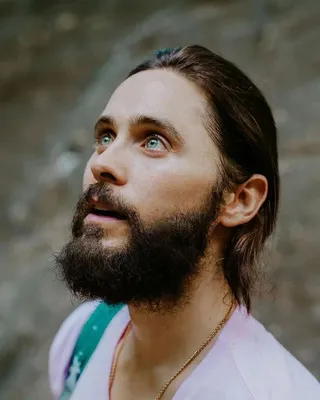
x=171, y=337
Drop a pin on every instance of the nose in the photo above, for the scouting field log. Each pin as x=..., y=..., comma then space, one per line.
x=110, y=166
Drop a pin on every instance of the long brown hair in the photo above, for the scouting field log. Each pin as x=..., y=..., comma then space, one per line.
x=240, y=123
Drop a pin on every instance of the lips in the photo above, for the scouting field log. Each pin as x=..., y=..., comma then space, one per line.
x=105, y=210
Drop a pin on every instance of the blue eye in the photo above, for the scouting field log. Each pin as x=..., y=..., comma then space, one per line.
x=153, y=143
x=105, y=139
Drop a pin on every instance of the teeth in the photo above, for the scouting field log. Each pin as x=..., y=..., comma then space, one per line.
x=101, y=209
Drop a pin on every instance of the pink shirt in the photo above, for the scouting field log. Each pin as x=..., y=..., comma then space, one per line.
x=246, y=363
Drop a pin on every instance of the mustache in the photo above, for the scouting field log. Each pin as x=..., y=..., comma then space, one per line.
x=104, y=194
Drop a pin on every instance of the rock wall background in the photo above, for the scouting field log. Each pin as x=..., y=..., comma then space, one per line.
x=59, y=63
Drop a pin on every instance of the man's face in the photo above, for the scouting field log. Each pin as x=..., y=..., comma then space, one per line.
x=142, y=225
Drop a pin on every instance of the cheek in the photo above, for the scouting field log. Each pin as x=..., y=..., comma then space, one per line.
x=168, y=193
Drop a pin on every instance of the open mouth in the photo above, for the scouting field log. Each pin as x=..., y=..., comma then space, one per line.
x=106, y=212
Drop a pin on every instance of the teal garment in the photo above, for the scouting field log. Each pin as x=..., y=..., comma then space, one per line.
x=86, y=344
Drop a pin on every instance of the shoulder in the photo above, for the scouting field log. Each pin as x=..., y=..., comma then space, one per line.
x=63, y=345
x=266, y=367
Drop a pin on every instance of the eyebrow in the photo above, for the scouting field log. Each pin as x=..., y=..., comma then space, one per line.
x=162, y=124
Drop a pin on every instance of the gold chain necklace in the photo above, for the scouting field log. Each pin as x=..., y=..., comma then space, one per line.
x=184, y=366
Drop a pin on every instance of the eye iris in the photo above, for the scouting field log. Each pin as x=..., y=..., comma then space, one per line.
x=152, y=143
x=105, y=140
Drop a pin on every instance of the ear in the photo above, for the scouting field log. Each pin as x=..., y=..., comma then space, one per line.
x=243, y=204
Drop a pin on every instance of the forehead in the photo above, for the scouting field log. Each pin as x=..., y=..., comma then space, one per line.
x=161, y=94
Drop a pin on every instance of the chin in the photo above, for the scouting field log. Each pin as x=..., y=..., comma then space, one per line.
x=114, y=242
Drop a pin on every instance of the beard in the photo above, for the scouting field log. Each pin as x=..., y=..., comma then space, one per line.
x=154, y=269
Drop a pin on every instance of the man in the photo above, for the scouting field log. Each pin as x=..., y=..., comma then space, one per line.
x=180, y=195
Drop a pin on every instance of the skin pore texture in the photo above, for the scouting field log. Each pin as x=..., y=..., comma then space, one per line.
x=154, y=155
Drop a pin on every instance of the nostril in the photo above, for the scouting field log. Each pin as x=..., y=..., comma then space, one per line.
x=107, y=175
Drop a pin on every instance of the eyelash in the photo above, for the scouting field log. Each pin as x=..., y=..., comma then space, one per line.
x=99, y=135
x=148, y=136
